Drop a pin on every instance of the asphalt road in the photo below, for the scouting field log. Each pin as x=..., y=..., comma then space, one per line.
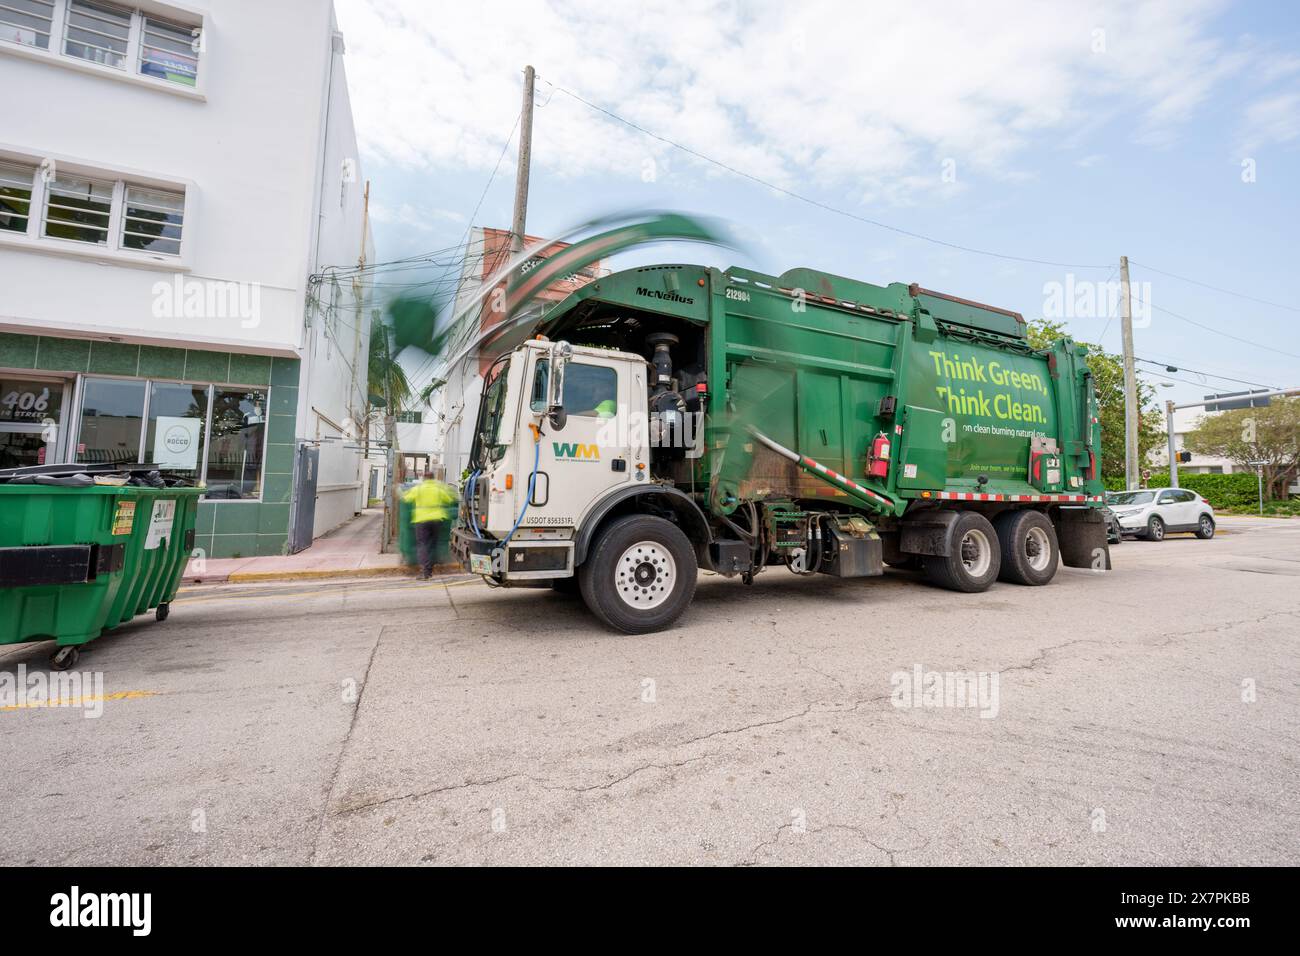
x=1147, y=715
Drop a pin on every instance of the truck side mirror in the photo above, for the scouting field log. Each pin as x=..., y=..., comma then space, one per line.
x=561, y=352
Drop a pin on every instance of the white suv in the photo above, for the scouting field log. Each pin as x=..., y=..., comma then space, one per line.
x=1152, y=513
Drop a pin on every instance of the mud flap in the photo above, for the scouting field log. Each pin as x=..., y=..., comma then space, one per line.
x=1081, y=534
x=928, y=532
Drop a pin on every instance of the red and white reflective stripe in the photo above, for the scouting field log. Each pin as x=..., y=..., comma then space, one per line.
x=898, y=429
x=973, y=496
x=811, y=463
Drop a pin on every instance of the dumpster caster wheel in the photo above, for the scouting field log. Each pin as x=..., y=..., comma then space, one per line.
x=162, y=612
x=64, y=658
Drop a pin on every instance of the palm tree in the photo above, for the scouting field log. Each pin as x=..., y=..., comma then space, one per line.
x=387, y=384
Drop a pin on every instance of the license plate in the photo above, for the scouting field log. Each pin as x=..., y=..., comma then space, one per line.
x=480, y=563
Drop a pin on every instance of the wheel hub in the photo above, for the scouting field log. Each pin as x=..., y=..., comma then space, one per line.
x=1037, y=549
x=644, y=575
x=976, y=553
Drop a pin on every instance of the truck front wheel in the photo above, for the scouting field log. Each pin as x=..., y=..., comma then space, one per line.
x=640, y=574
x=975, y=560
x=1030, y=551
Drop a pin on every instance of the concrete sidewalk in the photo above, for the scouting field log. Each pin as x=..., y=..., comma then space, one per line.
x=351, y=550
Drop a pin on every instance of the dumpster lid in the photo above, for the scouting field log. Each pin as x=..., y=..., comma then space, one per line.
x=81, y=468
x=67, y=473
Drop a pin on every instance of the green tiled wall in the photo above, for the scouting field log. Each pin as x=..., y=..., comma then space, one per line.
x=225, y=529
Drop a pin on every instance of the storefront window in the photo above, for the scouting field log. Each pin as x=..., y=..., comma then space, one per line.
x=216, y=433
x=112, y=411
x=177, y=415
x=238, y=437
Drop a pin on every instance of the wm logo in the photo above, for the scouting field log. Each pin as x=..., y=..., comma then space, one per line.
x=574, y=450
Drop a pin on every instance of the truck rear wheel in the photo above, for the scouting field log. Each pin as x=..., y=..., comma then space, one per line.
x=1030, y=552
x=640, y=574
x=975, y=559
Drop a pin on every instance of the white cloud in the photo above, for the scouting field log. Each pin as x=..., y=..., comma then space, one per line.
x=865, y=101
x=422, y=219
x=1270, y=121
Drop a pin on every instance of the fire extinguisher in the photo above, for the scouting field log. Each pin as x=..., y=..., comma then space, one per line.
x=878, y=460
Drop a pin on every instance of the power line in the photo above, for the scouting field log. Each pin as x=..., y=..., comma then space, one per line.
x=1110, y=318
x=1210, y=328
x=1178, y=366
x=815, y=202
x=1206, y=285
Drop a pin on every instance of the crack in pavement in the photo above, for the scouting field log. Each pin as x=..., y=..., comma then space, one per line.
x=343, y=748
x=859, y=832
x=539, y=781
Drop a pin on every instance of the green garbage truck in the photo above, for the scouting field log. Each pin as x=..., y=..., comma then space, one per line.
x=670, y=418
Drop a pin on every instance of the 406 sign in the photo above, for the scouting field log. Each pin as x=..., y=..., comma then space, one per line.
x=24, y=406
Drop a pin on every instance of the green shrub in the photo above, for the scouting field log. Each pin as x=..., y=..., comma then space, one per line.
x=1224, y=491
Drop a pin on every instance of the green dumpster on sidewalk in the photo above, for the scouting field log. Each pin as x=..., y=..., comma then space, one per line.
x=77, y=561
x=405, y=530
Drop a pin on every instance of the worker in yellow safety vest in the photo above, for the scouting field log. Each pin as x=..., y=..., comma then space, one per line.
x=431, y=503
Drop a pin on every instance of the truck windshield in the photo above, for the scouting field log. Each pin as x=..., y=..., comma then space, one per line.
x=494, y=403
x=1130, y=497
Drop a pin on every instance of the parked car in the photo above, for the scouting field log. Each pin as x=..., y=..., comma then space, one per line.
x=1151, y=513
x=1114, y=531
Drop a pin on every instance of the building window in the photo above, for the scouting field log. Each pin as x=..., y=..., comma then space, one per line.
x=78, y=209
x=177, y=421
x=27, y=22
x=15, y=196
x=216, y=433
x=88, y=209
x=167, y=51
x=97, y=33
x=410, y=418
x=152, y=220
x=112, y=411
x=119, y=37
x=238, y=437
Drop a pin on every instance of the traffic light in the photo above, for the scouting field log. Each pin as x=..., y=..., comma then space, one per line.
x=1184, y=457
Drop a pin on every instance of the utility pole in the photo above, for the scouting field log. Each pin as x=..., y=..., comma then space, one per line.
x=1131, y=411
x=525, y=157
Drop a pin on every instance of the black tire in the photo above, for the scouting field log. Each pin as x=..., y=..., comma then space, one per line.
x=566, y=586
x=1029, y=549
x=910, y=562
x=613, y=580
x=1155, y=529
x=162, y=612
x=1205, y=528
x=962, y=570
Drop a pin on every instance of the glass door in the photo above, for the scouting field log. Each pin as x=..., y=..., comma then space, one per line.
x=30, y=414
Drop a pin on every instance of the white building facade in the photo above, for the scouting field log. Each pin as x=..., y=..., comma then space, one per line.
x=171, y=179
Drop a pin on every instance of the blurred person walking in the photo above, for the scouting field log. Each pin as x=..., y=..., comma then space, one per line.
x=431, y=502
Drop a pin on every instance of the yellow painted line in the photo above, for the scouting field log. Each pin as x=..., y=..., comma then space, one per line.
x=82, y=701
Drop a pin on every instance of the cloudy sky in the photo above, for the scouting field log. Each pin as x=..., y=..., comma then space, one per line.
x=1068, y=133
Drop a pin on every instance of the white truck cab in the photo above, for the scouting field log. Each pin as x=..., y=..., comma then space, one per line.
x=549, y=449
